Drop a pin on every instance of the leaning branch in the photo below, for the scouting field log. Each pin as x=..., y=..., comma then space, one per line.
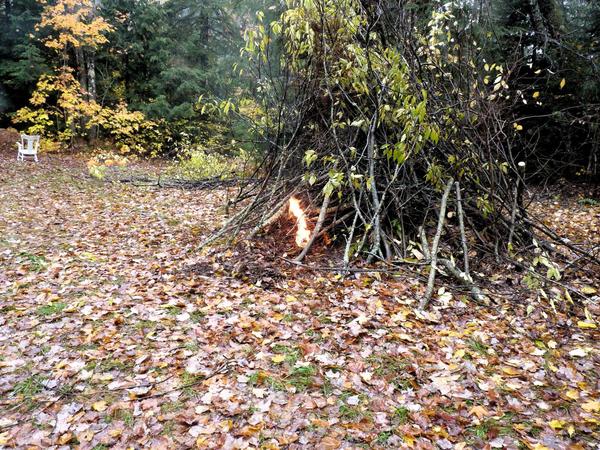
x=434, y=248
x=317, y=229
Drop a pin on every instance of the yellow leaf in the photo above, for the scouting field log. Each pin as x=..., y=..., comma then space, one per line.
x=4, y=438
x=100, y=406
x=591, y=406
x=536, y=94
x=562, y=83
x=510, y=371
x=556, y=424
x=409, y=440
x=585, y=325
x=571, y=430
x=459, y=353
x=572, y=394
x=588, y=290
x=278, y=359
x=226, y=425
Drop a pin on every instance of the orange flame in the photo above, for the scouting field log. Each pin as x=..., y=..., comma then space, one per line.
x=303, y=234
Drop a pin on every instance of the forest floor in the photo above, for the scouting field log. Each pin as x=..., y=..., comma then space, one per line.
x=115, y=332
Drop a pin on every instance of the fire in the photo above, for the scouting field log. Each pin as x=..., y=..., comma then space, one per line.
x=303, y=234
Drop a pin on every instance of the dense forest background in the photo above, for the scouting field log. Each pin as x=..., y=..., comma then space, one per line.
x=159, y=58
x=155, y=58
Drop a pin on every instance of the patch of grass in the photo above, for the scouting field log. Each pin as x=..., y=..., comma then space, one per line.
x=85, y=347
x=192, y=346
x=252, y=410
x=44, y=349
x=353, y=413
x=173, y=222
x=327, y=388
x=6, y=309
x=124, y=415
x=401, y=415
x=51, y=309
x=275, y=383
x=386, y=365
x=481, y=430
x=29, y=387
x=187, y=382
x=198, y=165
x=324, y=319
x=145, y=325
x=197, y=316
x=36, y=263
x=292, y=354
x=350, y=413
x=477, y=346
x=112, y=364
x=66, y=390
x=170, y=407
x=589, y=202
x=302, y=377
x=392, y=368
x=168, y=428
x=254, y=379
x=383, y=437
x=173, y=310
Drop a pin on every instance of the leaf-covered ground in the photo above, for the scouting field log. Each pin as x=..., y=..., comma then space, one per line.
x=115, y=332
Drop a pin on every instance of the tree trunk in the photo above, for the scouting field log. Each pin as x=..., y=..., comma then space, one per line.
x=81, y=69
x=91, y=78
x=91, y=75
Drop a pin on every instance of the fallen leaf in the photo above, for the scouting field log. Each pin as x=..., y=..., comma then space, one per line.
x=479, y=411
x=591, y=406
x=278, y=359
x=100, y=406
x=578, y=352
x=330, y=443
x=556, y=424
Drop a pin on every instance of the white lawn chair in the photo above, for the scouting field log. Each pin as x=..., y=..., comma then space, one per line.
x=29, y=146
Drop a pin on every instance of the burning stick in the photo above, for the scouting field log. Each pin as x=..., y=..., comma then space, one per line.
x=316, y=231
x=302, y=234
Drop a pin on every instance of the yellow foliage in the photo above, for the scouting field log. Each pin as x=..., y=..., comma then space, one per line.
x=74, y=114
x=76, y=24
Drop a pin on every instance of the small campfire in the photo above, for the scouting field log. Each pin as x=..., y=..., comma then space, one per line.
x=303, y=233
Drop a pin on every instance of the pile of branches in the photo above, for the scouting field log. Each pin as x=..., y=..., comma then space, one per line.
x=384, y=121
